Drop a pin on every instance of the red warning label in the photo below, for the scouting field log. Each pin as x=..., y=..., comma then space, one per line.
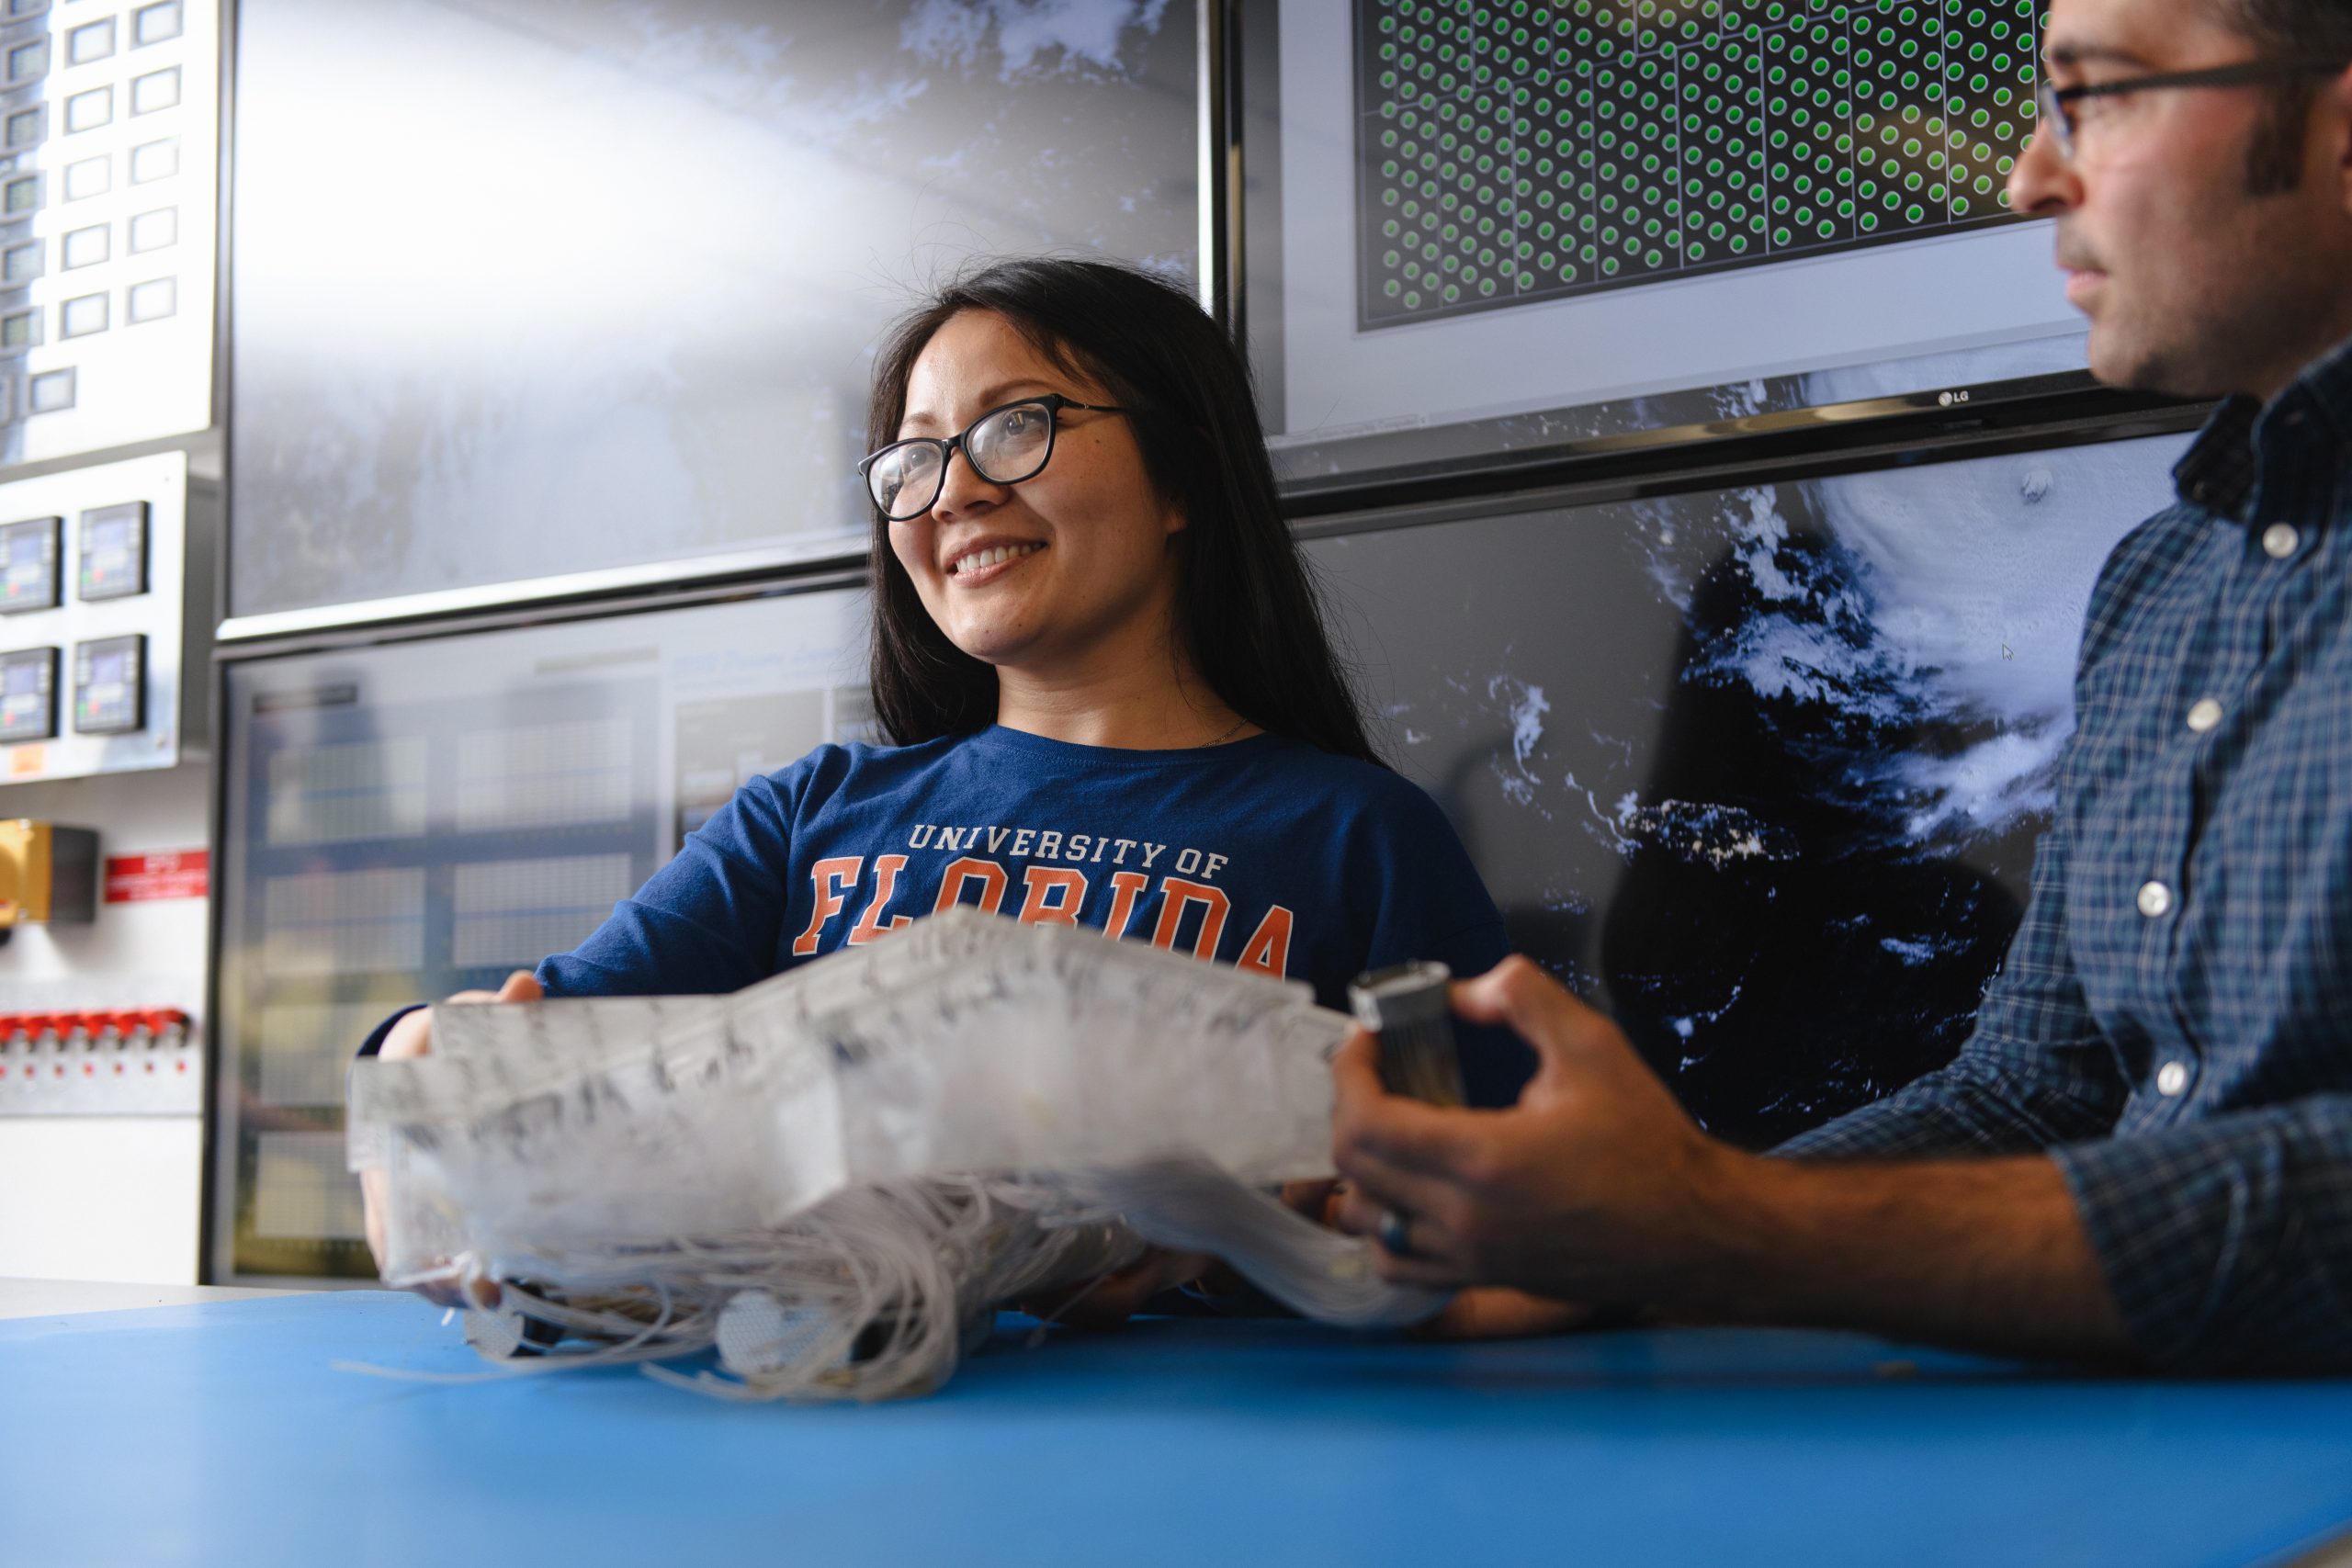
x=168, y=873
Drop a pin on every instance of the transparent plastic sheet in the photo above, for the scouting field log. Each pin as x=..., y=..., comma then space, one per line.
x=833, y=1177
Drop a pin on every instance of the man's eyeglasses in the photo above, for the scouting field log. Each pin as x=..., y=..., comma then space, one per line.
x=2057, y=104
x=1006, y=445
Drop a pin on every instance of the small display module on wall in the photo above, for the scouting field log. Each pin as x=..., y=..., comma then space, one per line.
x=29, y=579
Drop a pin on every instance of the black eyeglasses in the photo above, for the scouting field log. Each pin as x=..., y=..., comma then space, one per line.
x=2058, y=103
x=1009, y=443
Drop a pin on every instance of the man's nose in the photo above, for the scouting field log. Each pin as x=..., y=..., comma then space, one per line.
x=2043, y=184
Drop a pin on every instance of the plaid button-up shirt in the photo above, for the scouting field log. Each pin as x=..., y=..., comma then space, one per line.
x=2174, y=1021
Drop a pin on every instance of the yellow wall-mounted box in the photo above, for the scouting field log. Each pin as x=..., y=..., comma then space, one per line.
x=47, y=872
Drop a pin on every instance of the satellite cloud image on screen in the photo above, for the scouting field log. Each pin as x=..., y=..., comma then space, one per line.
x=1759, y=770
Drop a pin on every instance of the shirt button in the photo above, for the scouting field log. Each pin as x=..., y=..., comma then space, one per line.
x=2171, y=1078
x=2204, y=714
x=2280, y=539
x=2155, y=898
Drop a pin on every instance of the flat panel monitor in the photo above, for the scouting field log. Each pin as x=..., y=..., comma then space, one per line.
x=592, y=287
x=404, y=821
x=1758, y=769
x=1477, y=229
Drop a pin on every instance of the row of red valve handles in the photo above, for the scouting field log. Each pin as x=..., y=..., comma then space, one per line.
x=125, y=1026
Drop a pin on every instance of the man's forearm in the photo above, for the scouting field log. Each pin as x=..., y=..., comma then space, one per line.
x=1991, y=1253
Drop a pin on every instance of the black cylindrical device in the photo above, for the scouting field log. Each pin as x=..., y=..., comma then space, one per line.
x=1407, y=1008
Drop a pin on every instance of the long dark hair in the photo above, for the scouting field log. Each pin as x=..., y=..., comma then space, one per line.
x=1247, y=609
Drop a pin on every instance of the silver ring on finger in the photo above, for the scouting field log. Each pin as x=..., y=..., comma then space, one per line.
x=1396, y=1233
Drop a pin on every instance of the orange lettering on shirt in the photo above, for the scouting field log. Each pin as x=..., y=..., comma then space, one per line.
x=1177, y=895
x=1044, y=880
x=871, y=924
x=958, y=871
x=1268, y=949
x=834, y=876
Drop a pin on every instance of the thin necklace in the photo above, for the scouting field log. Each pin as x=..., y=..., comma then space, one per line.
x=1239, y=725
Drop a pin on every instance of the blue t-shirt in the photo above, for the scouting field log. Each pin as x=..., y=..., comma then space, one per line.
x=1267, y=852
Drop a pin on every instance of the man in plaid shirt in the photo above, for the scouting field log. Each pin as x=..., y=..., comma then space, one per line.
x=2146, y=1151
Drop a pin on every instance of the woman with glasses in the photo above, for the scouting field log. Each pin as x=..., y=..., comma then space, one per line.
x=1105, y=675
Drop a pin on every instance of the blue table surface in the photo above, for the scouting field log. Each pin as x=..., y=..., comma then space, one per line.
x=223, y=1433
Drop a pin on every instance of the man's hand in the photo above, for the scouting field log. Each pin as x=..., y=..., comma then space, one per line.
x=413, y=1036
x=1596, y=1187
x=1586, y=1189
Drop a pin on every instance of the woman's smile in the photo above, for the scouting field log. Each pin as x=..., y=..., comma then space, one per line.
x=985, y=561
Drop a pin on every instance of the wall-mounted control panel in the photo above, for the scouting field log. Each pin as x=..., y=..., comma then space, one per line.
x=109, y=143
x=105, y=629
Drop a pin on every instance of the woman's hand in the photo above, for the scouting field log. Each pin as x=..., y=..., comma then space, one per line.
x=1114, y=1298
x=412, y=1037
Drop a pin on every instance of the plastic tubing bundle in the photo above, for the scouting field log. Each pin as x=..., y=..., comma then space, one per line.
x=832, y=1178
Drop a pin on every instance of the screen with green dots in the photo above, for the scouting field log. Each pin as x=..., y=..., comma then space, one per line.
x=1516, y=151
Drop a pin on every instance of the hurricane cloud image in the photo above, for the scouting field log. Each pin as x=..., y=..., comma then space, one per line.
x=1761, y=770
